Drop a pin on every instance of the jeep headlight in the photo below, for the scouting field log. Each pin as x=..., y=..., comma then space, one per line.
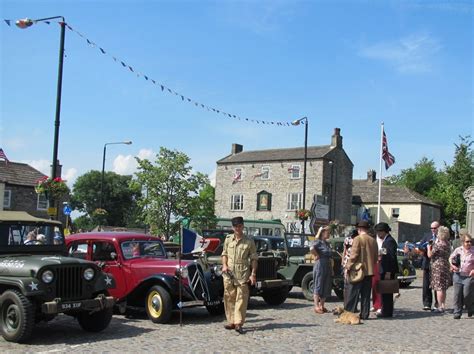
x=47, y=276
x=183, y=271
x=89, y=274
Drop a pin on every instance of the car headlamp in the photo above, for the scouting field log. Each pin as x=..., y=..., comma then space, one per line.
x=217, y=270
x=89, y=274
x=47, y=276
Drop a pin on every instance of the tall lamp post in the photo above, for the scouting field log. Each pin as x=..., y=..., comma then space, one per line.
x=103, y=168
x=298, y=122
x=25, y=23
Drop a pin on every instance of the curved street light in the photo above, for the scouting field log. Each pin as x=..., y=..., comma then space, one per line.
x=25, y=23
x=306, y=123
x=103, y=168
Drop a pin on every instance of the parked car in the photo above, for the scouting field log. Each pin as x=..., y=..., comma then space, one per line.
x=38, y=280
x=146, y=278
x=299, y=265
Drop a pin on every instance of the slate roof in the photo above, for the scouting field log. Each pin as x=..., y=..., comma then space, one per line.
x=19, y=174
x=314, y=152
x=364, y=191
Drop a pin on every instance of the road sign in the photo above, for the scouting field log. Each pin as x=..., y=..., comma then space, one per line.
x=67, y=210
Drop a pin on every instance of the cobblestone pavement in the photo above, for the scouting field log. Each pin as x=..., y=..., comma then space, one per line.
x=292, y=327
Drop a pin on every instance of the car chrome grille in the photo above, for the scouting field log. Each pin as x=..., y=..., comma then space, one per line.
x=197, y=282
x=267, y=268
x=69, y=282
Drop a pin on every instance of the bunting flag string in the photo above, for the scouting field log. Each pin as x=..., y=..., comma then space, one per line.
x=164, y=88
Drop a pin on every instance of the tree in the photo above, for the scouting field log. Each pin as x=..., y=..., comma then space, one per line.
x=455, y=180
x=169, y=188
x=421, y=178
x=201, y=213
x=118, y=200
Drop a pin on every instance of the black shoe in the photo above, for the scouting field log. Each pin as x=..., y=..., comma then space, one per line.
x=426, y=308
x=229, y=326
x=457, y=316
x=469, y=314
x=239, y=329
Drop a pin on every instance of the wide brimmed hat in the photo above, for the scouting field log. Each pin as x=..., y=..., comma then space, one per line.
x=382, y=226
x=363, y=223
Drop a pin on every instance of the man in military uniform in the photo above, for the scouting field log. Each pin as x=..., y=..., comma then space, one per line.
x=239, y=266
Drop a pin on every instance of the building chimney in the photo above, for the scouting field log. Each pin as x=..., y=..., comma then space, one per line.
x=371, y=176
x=336, y=140
x=236, y=148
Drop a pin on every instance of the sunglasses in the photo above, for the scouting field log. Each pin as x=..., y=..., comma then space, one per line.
x=434, y=228
x=467, y=241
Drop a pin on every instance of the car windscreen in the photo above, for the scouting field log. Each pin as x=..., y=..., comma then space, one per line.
x=278, y=245
x=142, y=249
x=29, y=235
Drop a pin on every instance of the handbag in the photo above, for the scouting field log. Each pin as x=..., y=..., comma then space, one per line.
x=388, y=286
x=356, y=273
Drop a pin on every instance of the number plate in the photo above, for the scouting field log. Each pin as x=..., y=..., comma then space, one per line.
x=70, y=306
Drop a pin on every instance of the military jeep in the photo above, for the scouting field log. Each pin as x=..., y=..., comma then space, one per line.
x=38, y=281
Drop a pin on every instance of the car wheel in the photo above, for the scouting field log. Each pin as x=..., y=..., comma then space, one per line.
x=216, y=310
x=307, y=285
x=95, y=321
x=158, y=304
x=16, y=316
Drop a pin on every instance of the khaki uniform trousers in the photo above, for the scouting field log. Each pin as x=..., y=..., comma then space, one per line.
x=236, y=298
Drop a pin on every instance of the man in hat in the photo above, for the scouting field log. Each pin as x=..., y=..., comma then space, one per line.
x=388, y=264
x=239, y=266
x=364, y=250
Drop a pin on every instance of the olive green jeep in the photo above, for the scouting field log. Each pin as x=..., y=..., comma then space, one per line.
x=38, y=280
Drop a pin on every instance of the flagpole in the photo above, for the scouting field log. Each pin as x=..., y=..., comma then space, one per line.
x=180, y=297
x=380, y=174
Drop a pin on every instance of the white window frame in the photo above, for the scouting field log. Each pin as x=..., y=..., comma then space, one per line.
x=7, y=198
x=295, y=172
x=290, y=201
x=40, y=201
x=265, y=173
x=237, y=202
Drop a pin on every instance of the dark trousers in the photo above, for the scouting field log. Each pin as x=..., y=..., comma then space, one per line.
x=362, y=289
x=427, y=292
x=387, y=300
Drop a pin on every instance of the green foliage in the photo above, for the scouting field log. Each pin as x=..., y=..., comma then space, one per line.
x=83, y=222
x=119, y=198
x=171, y=190
x=444, y=187
x=201, y=212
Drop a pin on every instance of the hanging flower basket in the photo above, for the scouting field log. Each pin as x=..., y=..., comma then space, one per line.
x=56, y=188
x=303, y=214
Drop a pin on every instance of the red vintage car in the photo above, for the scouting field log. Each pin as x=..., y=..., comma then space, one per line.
x=145, y=277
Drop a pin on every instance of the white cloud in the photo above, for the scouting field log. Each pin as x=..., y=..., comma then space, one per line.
x=127, y=165
x=411, y=54
x=44, y=166
x=70, y=176
x=212, y=178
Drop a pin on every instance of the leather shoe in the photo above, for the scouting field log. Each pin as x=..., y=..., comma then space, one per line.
x=457, y=316
x=229, y=326
x=239, y=329
x=469, y=314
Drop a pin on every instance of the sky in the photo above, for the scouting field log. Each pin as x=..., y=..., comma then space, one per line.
x=345, y=64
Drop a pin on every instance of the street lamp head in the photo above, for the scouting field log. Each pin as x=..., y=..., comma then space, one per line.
x=128, y=142
x=24, y=23
x=298, y=121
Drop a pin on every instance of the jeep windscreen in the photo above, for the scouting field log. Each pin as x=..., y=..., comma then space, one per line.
x=142, y=249
x=278, y=245
x=21, y=235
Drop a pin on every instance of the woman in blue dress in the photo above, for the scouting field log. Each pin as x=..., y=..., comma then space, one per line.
x=322, y=278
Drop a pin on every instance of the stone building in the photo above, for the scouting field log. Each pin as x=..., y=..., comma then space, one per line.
x=268, y=184
x=17, y=187
x=408, y=213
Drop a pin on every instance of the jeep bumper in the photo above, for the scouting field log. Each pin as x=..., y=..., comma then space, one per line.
x=273, y=283
x=101, y=302
x=405, y=278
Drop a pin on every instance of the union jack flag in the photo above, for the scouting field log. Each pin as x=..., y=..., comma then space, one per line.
x=386, y=156
x=3, y=156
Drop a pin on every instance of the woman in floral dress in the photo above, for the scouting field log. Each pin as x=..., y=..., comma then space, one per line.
x=439, y=253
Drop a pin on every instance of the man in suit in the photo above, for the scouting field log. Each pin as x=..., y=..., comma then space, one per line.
x=388, y=264
x=425, y=265
x=364, y=250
